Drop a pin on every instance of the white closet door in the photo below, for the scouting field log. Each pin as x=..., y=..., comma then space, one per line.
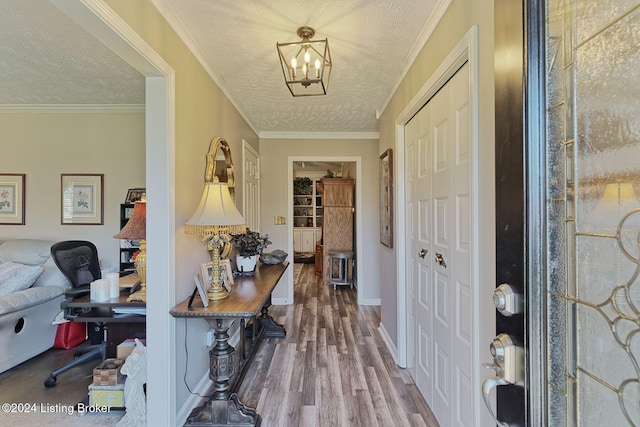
x=438, y=235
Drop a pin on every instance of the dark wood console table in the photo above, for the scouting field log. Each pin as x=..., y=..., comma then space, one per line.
x=248, y=302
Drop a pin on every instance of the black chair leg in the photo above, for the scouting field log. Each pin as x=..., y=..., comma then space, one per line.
x=98, y=351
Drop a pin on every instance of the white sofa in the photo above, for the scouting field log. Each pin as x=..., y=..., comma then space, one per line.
x=26, y=315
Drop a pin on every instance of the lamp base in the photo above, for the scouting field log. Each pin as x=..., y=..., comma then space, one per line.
x=217, y=293
x=140, y=295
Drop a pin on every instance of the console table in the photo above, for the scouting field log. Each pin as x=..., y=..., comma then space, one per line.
x=248, y=302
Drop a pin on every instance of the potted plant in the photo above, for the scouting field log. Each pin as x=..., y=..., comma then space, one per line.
x=302, y=185
x=249, y=246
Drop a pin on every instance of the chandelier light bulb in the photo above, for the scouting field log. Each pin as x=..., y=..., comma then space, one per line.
x=294, y=65
x=317, y=64
x=307, y=57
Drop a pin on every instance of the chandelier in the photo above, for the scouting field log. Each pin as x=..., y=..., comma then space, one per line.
x=306, y=64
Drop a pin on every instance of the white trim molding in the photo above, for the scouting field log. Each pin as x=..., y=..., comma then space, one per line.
x=319, y=135
x=72, y=108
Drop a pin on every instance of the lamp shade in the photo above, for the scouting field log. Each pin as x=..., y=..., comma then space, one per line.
x=216, y=212
x=136, y=228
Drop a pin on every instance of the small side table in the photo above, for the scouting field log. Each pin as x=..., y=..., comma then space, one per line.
x=339, y=268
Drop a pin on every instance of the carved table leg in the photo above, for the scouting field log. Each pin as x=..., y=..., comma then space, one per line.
x=272, y=329
x=223, y=408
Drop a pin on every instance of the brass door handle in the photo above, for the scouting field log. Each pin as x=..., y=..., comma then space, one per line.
x=440, y=260
x=422, y=252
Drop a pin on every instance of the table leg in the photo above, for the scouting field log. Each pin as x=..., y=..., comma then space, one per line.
x=223, y=408
x=272, y=329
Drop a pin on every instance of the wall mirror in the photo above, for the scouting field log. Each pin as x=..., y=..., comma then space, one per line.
x=220, y=164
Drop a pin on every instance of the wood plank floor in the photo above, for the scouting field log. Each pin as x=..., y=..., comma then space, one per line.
x=332, y=369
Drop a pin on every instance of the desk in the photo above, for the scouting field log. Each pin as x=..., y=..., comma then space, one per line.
x=249, y=300
x=83, y=309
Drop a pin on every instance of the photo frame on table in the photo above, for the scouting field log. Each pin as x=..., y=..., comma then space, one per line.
x=206, y=272
x=386, y=198
x=12, y=191
x=135, y=195
x=225, y=265
x=82, y=199
x=202, y=290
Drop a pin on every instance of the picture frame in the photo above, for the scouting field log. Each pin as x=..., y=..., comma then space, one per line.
x=386, y=198
x=82, y=199
x=12, y=196
x=225, y=264
x=135, y=195
x=202, y=290
x=206, y=272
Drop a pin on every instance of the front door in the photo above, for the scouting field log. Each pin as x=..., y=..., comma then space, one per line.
x=567, y=186
x=437, y=143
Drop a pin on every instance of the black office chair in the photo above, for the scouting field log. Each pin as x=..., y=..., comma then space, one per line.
x=78, y=261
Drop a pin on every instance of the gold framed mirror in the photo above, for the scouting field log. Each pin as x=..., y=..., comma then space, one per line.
x=220, y=164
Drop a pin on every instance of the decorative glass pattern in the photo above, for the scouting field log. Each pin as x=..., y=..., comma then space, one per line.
x=593, y=225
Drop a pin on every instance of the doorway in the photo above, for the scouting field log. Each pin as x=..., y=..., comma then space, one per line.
x=306, y=212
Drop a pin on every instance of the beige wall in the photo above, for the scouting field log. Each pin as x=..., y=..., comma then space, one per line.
x=202, y=112
x=274, y=154
x=457, y=21
x=45, y=145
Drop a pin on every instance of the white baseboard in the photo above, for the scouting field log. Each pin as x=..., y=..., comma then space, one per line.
x=389, y=343
x=371, y=301
x=202, y=387
x=279, y=301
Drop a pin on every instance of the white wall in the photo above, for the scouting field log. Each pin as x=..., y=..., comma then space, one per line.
x=45, y=145
x=274, y=154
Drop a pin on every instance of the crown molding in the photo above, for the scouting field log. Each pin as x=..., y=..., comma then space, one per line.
x=319, y=135
x=438, y=12
x=72, y=108
x=180, y=28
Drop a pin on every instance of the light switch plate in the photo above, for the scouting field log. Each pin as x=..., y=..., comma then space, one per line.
x=279, y=220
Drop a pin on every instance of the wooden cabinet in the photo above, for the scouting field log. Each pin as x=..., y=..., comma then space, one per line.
x=304, y=239
x=338, y=230
x=318, y=260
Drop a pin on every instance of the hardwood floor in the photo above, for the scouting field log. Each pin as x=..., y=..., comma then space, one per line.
x=332, y=369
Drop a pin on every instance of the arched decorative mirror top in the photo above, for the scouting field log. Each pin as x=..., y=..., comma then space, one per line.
x=220, y=164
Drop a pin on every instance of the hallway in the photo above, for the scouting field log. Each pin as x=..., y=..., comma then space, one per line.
x=332, y=369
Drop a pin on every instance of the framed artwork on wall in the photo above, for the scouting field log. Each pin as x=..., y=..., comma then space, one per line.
x=82, y=199
x=386, y=198
x=12, y=191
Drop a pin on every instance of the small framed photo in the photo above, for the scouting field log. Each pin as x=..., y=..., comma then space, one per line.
x=135, y=195
x=225, y=265
x=206, y=271
x=202, y=290
x=82, y=199
x=12, y=199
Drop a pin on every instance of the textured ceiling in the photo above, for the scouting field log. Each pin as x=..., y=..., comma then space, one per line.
x=45, y=58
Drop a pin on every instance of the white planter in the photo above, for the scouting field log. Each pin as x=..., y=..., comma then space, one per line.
x=246, y=265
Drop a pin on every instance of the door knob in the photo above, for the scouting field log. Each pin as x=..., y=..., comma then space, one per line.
x=440, y=260
x=508, y=362
x=422, y=252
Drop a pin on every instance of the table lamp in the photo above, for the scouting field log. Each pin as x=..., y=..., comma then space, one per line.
x=136, y=229
x=214, y=219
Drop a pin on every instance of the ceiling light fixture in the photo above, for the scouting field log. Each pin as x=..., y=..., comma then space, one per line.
x=306, y=64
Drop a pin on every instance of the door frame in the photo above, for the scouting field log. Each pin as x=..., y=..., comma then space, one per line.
x=98, y=19
x=465, y=51
x=246, y=147
x=362, y=275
